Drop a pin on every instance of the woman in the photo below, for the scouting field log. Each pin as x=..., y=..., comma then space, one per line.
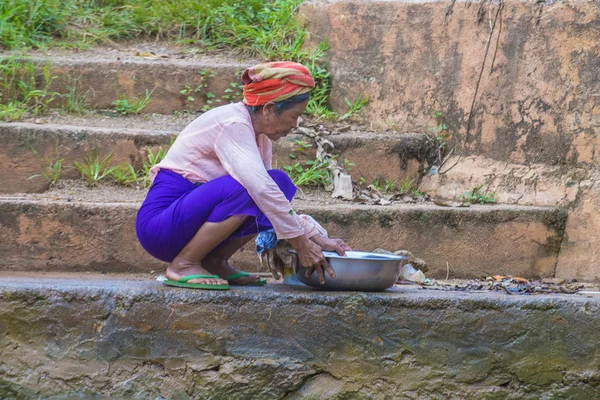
x=215, y=189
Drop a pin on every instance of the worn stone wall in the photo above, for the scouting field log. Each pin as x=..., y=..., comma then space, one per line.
x=518, y=87
x=537, y=99
x=141, y=340
x=467, y=242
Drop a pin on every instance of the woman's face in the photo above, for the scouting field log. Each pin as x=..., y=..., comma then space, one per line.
x=277, y=125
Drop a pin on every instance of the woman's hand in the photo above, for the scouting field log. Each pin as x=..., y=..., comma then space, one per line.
x=311, y=256
x=331, y=244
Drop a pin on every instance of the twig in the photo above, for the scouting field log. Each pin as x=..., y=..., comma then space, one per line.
x=487, y=48
x=447, y=270
x=449, y=9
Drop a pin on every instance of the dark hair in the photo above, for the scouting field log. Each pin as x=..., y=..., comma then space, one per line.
x=281, y=106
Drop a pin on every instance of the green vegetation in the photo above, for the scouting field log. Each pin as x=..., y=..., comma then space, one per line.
x=124, y=175
x=132, y=106
x=51, y=168
x=74, y=100
x=354, y=108
x=313, y=173
x=477, y=195
x=268, y=29
x=257, y=27
x=301, y=145
x=384, y=185
x=93, y=170
x=24, y=87
x=151, y=160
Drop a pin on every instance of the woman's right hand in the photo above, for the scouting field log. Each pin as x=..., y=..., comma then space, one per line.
x=311, y=257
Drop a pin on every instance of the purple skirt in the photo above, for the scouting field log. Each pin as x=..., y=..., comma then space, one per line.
x=176, y=208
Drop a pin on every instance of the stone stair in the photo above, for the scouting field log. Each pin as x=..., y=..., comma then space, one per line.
x=121, y=336
x=54, y=231
x=81, y=313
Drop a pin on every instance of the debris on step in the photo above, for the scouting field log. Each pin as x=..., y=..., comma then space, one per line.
x=148, y=54
x=413, y=270
x=510, y=285
x=444, y=203
x=342, y=185
x=409, y=273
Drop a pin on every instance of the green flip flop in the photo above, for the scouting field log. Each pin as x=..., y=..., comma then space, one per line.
x=183, y=283
x=260, y=282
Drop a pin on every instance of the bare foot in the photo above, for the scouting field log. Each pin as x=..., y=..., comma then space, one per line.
x=180, y=268
x=224, y=269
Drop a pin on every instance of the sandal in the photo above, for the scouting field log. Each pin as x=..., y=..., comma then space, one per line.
x=183, y=283
x=260, y=282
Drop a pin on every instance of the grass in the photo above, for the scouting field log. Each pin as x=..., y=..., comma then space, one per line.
x=24, y=88
x=354, y=108
x=268, y=29
x=75, y=101
x=124, y=175
x=93, y=170
x=477, y=195
x=133, y=105
x=151, y=160
x=313, y=173
x=257, y=27
x=51, y=167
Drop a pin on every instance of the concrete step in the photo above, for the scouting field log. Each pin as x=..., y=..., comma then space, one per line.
x=127, y=337
x=101, y=77
x=95, y=231
x=392, y=157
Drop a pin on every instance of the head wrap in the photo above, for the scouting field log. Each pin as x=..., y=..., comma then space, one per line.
x=275, y=81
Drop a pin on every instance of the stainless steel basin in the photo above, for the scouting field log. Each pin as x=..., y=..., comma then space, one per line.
x=357, y=271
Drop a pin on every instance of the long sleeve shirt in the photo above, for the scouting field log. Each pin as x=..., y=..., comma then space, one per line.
x=223, y=142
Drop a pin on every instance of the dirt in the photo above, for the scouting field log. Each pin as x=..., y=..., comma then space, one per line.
x=78, y=191
x=158, y=51
x=112, y=120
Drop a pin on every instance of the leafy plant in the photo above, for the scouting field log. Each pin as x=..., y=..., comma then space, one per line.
x=233, y=93
x=75, y=100
x=477, y=195
x=354, y=108
x=406, y=185
x=416, y=193
x=51, y=168
x=313, y=173
x=132, y=106
x=301, y=145
x=347, y=165
x=201, y=89
x=24, y=87
x=384, y=185
x=151, y=160
x=124, y=175
x=94, y=170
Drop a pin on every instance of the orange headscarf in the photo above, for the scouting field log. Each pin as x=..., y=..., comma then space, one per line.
x=275, y=81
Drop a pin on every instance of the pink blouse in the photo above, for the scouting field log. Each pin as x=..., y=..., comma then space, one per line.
x=222, y=142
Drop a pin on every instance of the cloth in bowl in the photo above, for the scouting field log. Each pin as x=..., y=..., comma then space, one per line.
x=274, y=253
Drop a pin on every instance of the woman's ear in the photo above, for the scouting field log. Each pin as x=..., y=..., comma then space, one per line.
x=268, y=109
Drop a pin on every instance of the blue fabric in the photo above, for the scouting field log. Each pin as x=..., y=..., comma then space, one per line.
x=176, y=208
x=266, y=240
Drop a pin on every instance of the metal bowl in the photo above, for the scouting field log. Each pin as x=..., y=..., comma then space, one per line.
x=357, y=271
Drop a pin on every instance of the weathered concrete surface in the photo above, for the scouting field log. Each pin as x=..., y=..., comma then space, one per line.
x=101, y=81
x=141, y=340
x=18, y=162
x=471, y=242
x=580, y=249
x=537, y=99
x=534, y=184
x=387, y=156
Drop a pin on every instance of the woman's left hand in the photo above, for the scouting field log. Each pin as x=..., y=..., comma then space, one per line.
x=331, y=244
